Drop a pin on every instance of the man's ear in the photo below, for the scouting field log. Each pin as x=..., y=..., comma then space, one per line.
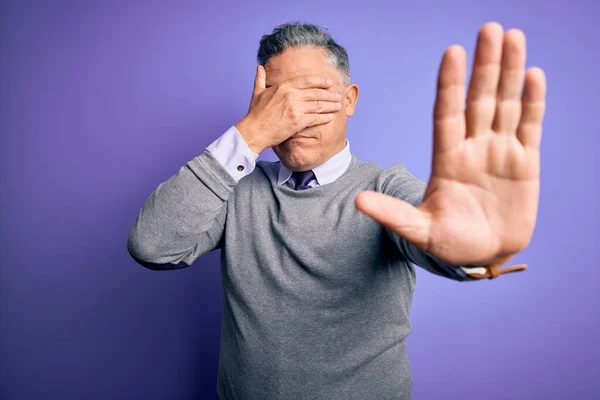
x=350, y=99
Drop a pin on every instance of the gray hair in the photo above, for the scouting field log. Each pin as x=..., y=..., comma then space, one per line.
x=302, y=35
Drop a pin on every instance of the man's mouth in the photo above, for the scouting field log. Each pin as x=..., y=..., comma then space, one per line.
x=300, y=137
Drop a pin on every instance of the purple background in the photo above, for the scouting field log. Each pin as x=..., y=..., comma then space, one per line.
x=102, y=101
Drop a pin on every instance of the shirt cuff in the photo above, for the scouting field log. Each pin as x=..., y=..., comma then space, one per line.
x=473, y=270
x=233, y=153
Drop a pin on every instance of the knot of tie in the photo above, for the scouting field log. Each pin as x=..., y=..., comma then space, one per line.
x=300, y=180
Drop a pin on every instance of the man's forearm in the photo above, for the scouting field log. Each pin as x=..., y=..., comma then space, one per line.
x=184, y=217
x=430, y=263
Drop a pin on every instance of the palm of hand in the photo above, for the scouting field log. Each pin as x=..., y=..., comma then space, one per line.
x=486, y=206
x=482, y=197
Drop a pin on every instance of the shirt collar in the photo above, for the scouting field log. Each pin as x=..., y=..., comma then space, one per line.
x=325, y=173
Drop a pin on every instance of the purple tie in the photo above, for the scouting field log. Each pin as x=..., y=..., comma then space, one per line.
x=300, y=180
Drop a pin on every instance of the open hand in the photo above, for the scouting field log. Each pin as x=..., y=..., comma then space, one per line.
x=482, y=197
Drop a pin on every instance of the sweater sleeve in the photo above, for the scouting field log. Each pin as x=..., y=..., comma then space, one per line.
x=396, y=181
x=184, y=217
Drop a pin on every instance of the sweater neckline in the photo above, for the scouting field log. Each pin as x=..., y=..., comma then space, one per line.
x=317, y=190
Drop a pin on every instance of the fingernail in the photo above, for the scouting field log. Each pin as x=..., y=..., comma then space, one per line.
x=338, y=95
x=329, y=81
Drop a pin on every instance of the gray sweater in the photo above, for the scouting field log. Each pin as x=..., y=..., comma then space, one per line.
x=316, y=295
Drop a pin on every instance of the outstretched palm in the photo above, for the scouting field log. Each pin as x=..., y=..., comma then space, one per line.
x=482, y=197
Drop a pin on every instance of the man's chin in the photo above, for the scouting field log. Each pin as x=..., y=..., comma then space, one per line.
x=296, y=153
x=296, y=163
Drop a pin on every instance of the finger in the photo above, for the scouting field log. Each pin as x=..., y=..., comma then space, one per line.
x=398, y=215
x=260, y=83
x=316, y=119
x=508, y=101
x=318, y=106
x=260, y=80
x=529, y=131
x=481, y=97
x=312, y=94
x=310, y=81
x=448, y=112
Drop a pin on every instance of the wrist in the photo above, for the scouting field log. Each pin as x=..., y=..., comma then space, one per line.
x=492, y=268
x=250, y=134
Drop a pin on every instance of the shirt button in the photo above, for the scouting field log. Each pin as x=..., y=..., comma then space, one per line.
x=240, y=167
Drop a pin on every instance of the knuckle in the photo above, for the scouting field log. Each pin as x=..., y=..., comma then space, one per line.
x=294, y=113
x=289, y=98
x=287, y=92
x=282, y=89
x=296, y=122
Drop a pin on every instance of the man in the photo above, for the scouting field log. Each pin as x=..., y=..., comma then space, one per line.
x=317, y=249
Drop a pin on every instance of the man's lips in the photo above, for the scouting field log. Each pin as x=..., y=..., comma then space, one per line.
x=300, y=137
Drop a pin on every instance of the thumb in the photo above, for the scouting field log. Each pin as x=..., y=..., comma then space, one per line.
x=398, y=215
x=260, y=81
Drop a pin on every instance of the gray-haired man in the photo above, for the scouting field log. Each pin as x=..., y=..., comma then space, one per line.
x=317, y=249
